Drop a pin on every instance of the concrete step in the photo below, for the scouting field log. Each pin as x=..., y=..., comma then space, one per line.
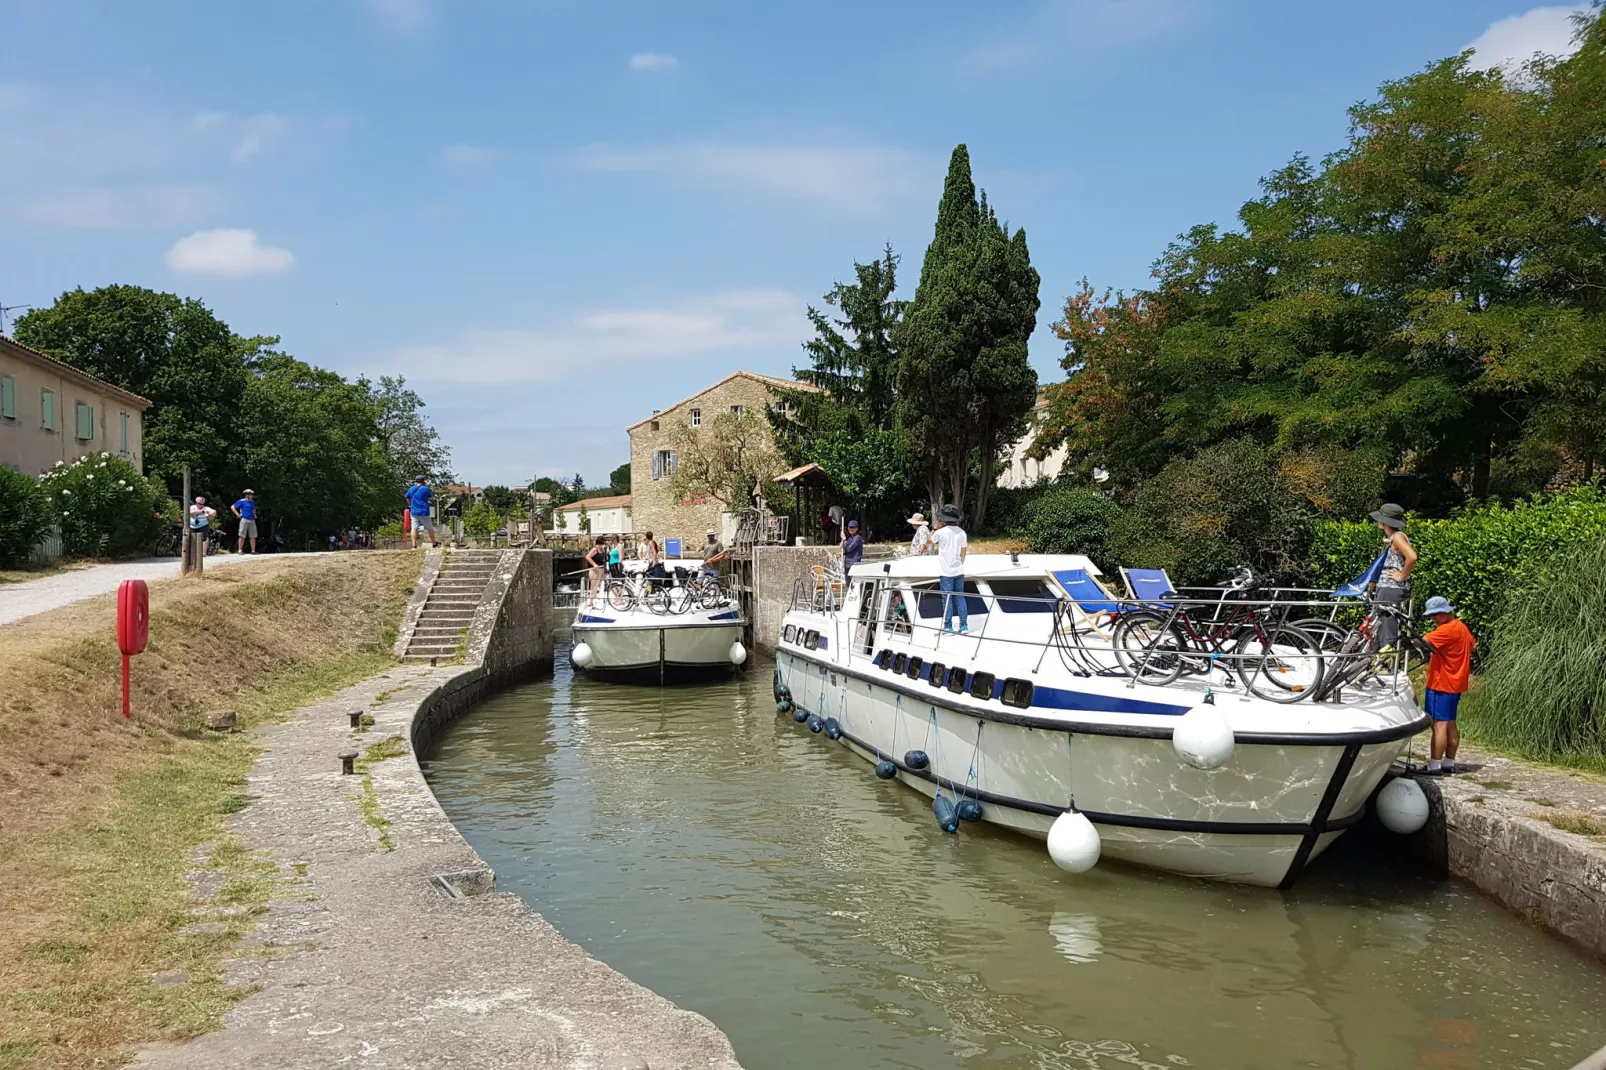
x=432, y=645
x=440, y=620
x=439, y=631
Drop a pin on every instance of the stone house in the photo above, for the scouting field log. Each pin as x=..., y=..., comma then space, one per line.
x=653, y=459
x=50, y=411
x=607, y=516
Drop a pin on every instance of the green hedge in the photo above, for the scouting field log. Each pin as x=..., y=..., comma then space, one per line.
x=25, y=516
x=1479, y=558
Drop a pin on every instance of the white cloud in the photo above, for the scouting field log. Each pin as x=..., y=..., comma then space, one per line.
x=653, y=61
x=250, y=134
x=1061, y=29
x=844, y=179
x=1511, y=42
x=467, y=157
x=227, y=251
x=125, y=208
x=618, y=337
x=409, y=16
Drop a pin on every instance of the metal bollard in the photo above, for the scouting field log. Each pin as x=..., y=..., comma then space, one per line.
x=348, y=760
x=356, y=718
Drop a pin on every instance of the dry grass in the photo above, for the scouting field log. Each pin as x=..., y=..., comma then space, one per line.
x=1580, y=822
x=101, y=818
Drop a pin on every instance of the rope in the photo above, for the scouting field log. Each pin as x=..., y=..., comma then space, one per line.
x=1070, y=769
x=973, y=775
x=936, y=757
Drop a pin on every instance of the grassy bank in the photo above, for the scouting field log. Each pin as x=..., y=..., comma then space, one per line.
x=101, y=819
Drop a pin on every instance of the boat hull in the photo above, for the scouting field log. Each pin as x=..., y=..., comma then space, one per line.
x=665, y=651
x=1259, y=819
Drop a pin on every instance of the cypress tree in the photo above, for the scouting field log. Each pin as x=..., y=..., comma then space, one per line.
x=964, y=382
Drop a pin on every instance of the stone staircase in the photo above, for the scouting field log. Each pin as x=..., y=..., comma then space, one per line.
x=448, y=613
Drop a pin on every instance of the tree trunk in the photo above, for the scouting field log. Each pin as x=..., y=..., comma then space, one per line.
x=1480, y=467
x=983, y=491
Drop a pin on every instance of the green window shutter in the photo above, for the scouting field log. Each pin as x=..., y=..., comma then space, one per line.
x=47, y=409
x=123, y=417
x=86, y=422
x=8, y=396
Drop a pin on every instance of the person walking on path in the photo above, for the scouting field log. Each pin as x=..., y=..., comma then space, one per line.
x=200, y=526
x=1449, y=676
x=1394, y=584
x=953, y=546
x=246, y=510
x=852, y=547
x=921, y=543
x=419, y=497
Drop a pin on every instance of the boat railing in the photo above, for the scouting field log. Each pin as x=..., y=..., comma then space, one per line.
x=1326, y=660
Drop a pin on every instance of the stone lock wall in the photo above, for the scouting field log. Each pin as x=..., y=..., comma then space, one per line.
x=775, y=568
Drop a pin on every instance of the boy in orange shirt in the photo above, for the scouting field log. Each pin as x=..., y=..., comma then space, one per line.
x=1449, y=674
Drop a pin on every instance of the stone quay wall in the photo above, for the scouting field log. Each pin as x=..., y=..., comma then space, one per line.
x=775, y=569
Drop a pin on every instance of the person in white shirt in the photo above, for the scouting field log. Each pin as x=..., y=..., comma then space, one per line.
x=921, y=543
x=839, y=531
x=952, y=548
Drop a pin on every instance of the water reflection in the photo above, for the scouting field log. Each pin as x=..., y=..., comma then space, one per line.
x=758, y=874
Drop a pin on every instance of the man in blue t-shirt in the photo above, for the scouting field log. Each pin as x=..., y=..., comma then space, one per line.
x=246, y=510
x=418, y=499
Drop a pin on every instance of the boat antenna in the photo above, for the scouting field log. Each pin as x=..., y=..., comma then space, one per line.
x=8, y=308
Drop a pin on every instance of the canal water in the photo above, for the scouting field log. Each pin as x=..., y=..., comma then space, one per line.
x=760, y=875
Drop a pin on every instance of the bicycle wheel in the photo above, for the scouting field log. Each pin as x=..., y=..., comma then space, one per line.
x=679, y=599
x=1348, y=663
x=1328, y=636
x=712, y=596
x=1149, y=648
x=620, y=596
x=656, y=599
x=1280, y=664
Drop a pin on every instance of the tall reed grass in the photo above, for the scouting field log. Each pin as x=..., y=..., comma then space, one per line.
x=1543, y=692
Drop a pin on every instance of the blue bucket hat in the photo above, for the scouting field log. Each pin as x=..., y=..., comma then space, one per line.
x=1437, y=604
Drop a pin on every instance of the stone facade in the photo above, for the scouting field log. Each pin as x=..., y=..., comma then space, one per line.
x=1018, y=470
x=653, y=508
x=50, y=411
x=605, y=516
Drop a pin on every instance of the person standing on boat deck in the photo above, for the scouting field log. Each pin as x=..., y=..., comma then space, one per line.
x=597, y=559
x=1449, y=676
x=615, y=556
x=953, y=546
x=921, y=543
x=852, y=547
x=713, y=554
x=1394, y=585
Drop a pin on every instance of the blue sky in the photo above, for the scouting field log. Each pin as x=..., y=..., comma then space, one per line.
x=556, y=217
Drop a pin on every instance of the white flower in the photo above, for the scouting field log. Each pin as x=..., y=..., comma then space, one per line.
x=61, y=464
x=122, y=483
x=66, y=514
x=90, y=476
x=64, y=490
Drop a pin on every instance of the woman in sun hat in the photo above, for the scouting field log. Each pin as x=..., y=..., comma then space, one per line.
x=921, y=543
x=1394, y=583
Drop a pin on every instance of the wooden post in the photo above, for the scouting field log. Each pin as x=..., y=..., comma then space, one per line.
x=184, y=528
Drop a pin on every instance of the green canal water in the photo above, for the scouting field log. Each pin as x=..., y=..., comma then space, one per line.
x=726, y=858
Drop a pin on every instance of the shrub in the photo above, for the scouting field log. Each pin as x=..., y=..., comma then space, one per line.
x=106, y=508
x=1543, y=693
x=1007, y=506
x=1479, y=558
x=24, y=520
x=481, y=519
x=1064, y=519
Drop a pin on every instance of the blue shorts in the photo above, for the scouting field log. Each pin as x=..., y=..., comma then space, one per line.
x=1441, y=705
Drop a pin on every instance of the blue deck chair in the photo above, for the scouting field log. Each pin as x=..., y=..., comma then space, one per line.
x=1087, y=593
x=1358, y=587
x=1149, y=585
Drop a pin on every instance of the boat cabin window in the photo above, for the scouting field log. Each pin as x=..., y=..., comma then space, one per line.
x=981, y=685
x=897, y=615
x=789, y=633
x=956, y=680
x=1017, y=693
x=939, y=674
x=931, y=601
x=883, y=660
x=899, y=661
x=811, y=641
x=1022, y=596
x=915, y=665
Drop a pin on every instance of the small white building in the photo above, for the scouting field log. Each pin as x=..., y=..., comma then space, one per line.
x=605, y=516
x=1023, y=471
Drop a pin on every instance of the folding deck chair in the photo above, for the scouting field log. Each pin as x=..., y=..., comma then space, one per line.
x=1149, y=586
x=1090, y=599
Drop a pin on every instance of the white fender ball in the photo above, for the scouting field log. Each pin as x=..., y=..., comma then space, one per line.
x=738, y=653
x=1203, y=738
x=1073, y=842
x=1402, y=806
x=582, y=655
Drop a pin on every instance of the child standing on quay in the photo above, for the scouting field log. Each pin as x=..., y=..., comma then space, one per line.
x=1449, y=673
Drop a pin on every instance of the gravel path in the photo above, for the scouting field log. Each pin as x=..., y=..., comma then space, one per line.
x=19, y=600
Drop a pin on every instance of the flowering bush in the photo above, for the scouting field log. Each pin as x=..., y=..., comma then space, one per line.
x=105, y=507
x=24, y=516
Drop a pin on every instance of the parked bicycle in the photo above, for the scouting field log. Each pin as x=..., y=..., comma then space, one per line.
x=1353, y=660
x=1273, y=659
x=665, y=593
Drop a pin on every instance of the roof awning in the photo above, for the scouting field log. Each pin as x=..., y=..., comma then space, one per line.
x=809, y=475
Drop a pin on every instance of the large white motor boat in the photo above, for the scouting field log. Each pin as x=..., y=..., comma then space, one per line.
x=657, y=630
x=1034, y=713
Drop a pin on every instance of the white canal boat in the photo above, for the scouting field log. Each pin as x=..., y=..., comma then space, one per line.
x=1034, y=714
x=672, y=629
